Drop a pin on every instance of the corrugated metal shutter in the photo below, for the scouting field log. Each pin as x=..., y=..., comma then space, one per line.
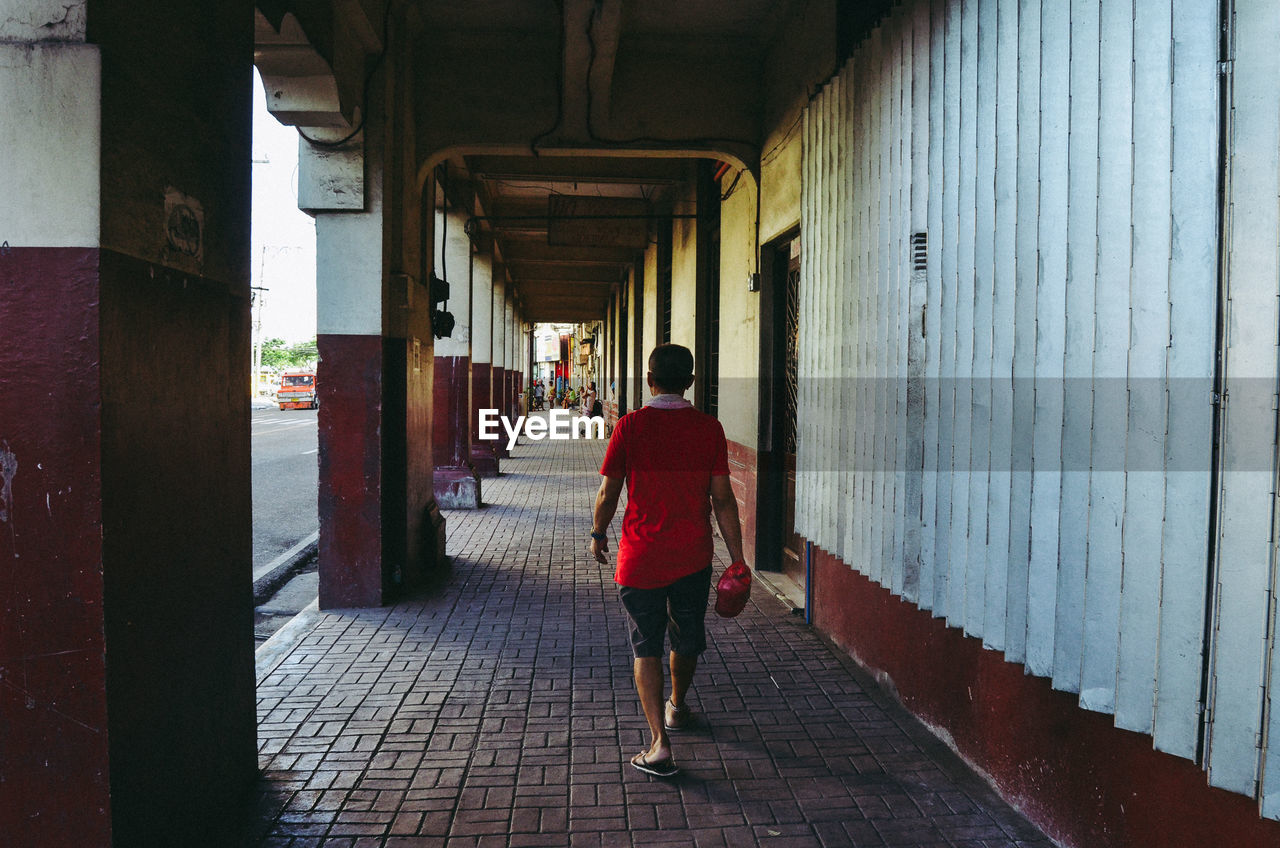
x=1018, y=434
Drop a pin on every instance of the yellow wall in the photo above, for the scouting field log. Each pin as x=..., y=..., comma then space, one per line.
x=684, y=270
x=780, y=188
x=639, y=393
x=649, y=338
x=739, y=313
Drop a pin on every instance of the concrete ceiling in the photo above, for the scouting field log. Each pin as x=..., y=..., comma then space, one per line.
x=567, y=230
x=600, y=107
x=610, y=101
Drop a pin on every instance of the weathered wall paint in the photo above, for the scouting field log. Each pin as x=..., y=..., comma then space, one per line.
x=46, y=203
x=739, y=394
x=177, y=550
x=1073, y=773
x=52, y=636
x=1059, y=512
x=349, y=383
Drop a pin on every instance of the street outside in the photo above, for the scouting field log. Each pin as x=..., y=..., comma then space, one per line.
x=285, y=475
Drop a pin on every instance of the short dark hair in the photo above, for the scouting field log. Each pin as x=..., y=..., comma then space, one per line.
x=672, y=367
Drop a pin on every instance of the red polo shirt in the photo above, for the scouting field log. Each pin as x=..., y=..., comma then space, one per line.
x=668, y=457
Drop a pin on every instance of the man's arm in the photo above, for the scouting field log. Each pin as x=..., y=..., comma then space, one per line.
x=606, y=506
x=725, y=506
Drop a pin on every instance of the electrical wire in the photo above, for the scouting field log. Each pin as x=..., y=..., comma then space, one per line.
x=364, y=89
x=733, y=186
x=768, y=156
x=533, y=144
x=703, y=141
x=444, y=229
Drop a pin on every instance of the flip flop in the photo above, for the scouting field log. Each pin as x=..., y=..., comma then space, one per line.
x=681, y=718
x=662, y=768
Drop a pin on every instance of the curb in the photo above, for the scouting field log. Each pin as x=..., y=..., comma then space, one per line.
x=270, y=577
x=272, y=652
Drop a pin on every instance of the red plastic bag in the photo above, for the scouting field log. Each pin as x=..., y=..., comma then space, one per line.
x=733, y=589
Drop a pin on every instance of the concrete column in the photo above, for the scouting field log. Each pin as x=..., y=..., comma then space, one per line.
x=518, y=349
x=380, y=530
x=126, y=667
x=484, y=457
x=513, y=381
x=456, y=483
x=500, y=354
x=350, y=384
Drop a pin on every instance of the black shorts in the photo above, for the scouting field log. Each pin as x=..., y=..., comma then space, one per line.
x=678, y=609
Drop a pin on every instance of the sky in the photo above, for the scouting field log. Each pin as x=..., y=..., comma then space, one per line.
x=283, y=250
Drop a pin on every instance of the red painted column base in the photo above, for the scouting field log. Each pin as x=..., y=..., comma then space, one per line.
x=349, y=385
x=500, y=403
x=457, y=487
x=745, y=480
x=484, y=457
x=1074, y=774
x=456, y=483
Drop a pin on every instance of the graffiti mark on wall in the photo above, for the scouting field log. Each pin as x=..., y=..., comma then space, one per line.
x=8, y=470
x=184, y=224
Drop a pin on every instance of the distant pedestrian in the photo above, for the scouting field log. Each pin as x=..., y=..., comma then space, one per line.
x=674, y=462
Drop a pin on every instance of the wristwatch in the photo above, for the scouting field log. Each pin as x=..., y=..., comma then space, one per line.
x=599, y=537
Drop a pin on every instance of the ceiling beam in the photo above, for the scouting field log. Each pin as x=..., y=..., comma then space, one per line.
x=586, y=272
x=515, y=253
x=569, y=290
x=580, y=285
x=565, y=317
x=581, y=169
x=605, y=30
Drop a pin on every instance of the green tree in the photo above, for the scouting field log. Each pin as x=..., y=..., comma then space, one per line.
x=275, y=354
x=303, y=353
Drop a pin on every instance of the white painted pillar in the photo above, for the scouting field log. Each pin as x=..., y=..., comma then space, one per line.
x=484, y=454
x=500, y=352
x=457, y=485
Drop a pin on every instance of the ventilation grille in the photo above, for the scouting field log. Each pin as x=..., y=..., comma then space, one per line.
x=919, y=251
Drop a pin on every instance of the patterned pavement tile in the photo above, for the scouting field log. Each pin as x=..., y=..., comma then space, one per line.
x=499, y=710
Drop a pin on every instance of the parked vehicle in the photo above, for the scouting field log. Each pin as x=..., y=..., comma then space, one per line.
x=297, y=390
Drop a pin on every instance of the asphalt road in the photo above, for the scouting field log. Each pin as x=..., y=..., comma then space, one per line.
x=285, y=480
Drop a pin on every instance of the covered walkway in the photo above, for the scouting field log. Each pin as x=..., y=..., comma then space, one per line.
x=499, y=711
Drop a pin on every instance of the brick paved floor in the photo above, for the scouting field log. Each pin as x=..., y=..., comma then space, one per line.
x=500, y=711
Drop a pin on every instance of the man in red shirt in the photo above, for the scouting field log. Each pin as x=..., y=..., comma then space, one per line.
x=674, y=461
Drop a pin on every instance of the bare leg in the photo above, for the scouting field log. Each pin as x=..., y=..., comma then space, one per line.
x=682, y=669
x=649, y=683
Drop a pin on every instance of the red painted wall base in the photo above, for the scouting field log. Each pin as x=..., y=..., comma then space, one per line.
x=484, y=462
x=349, y=384
x=1071, y=771
x=457, y=487
x=743, y=474
x=500, y=403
